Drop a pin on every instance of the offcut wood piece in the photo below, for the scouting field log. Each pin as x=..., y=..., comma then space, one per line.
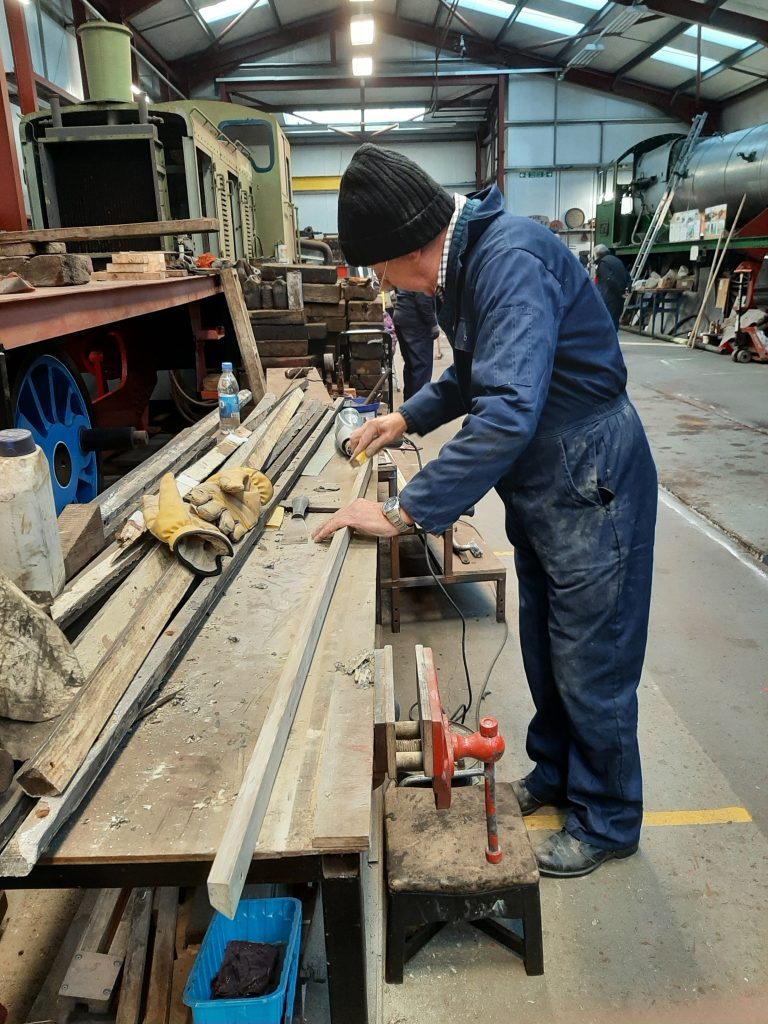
x=277, y=316
x=82, y=536
x=163, y=952
x=48, y=1005
x=310, y=274
x=350, y=714
x=360, y=291
x=366, y=312
x=384, y=739
x=155, y=259
x=94, y=582
x=230, y=867
x=280, y=332
x=39, y=672
x=295, y=289
x=280, y=348
x=325, y=310
x=129, y=1003
x=97, y=232
x=322, y=293
x=38, y=829
x=54, y=765
x=233, y=293
x=126, y=274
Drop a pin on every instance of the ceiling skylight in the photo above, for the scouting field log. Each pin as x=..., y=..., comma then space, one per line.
x=714, y=35
x=592, y=5
x=683, y=59
x=536, y=19
x=227, y=9
x=373, y=117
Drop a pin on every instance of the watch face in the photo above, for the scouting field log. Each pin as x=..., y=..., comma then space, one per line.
x=391, y=504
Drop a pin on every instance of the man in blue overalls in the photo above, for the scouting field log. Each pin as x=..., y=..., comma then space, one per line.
x=539, y=378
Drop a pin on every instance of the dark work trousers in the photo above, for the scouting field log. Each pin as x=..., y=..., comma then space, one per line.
x=417, y=347
x=581, y=514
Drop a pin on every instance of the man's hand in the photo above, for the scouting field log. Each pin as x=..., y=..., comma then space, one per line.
x=376, y=434
x=362, y=515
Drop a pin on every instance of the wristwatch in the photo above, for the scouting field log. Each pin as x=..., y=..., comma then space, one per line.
x=391, y=509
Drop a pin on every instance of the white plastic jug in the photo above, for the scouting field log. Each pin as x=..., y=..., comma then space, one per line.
x=30, y=545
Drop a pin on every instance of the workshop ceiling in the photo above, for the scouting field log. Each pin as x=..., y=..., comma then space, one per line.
x=436, y=63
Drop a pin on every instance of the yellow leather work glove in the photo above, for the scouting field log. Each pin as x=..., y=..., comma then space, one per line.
x=232, y=499
x=196, y=544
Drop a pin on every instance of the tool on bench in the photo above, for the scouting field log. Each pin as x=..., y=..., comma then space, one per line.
x=432, y=746
x=295, y=531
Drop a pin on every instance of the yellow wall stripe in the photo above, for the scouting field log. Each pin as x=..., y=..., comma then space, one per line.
x=316, y=183
x=707, y=816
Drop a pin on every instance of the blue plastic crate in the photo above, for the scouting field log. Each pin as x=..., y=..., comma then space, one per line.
x=273, y=920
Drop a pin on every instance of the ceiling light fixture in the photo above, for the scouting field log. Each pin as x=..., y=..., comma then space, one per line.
x=362, y=67
x=361, y=29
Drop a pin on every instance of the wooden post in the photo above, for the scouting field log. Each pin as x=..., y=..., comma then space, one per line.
x=246, y=342
x=233, y=858
x=13, y=216
x=22, y=58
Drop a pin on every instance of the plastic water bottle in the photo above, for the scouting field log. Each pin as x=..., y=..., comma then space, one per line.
x=229, y=402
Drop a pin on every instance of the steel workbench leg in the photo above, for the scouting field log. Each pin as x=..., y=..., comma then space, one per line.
x=344, y=922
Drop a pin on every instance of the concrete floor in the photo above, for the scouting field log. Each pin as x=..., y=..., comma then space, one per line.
x=679, y=933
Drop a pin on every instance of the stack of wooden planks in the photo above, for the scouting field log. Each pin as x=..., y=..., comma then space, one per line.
x=126, y=955
x=137, y=266
x=153, y=609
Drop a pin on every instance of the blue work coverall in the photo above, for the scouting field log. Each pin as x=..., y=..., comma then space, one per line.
x=540, y=380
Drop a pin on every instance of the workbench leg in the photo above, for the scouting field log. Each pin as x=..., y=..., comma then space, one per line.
x=394, y=557
x=501, y=598
x=345, y=939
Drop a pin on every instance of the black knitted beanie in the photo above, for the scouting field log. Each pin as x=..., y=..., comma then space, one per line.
x=388, y=206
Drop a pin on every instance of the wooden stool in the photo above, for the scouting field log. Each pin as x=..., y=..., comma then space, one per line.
x=437, y=873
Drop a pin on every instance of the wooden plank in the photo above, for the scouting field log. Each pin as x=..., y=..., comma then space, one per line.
x=310, y=273
x=279, y=349
x=345, y=766
x=15, y=805
x=241, y=323
x=384, y=713
x=322, y=293
x=183, y=449
x=326, y=310
x=280, y=332
x=277, y=316
x=102, y=632
x=95, y=581
x=129, y=1005
x=230, y=867
x=97, y=232
x=36, y=833
x=82, y=536
x=103, y=920
x=163, y=951
x=48, y=1005
x=51, y=769
x=375, y=909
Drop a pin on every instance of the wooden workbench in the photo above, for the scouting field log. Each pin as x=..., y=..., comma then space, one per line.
x=158, y=813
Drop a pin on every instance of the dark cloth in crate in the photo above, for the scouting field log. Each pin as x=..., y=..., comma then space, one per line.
x=248, y=969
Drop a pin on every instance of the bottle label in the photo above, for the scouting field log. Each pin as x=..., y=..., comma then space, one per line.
x=229, y=406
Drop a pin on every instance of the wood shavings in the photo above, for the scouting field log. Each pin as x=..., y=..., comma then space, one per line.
x=361, y=667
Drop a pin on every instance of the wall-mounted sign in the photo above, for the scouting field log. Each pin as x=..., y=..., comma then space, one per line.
x=685, y=226
x=536, y=174
x=714, y=220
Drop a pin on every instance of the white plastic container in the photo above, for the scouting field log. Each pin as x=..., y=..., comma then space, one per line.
x=30, y=545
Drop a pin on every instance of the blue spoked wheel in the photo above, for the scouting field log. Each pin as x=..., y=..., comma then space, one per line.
x=52, y=402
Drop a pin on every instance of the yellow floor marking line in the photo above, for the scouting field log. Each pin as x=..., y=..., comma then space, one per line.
x=706, y=816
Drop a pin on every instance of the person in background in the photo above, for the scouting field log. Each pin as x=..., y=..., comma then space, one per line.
x=416, y=326
x=539, y=380
x=612, y=280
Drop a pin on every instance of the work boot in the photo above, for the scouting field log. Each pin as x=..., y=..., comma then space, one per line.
x=528, y=802
x=565, y=856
